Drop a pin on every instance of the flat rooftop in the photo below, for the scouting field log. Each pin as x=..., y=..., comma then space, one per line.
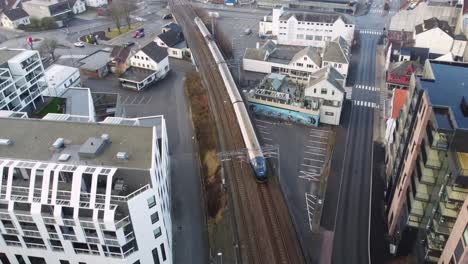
x=446, y=83
x=57, y=74
x=135, y=74
x=7, y=54
x=33, y=139
x=96, y=60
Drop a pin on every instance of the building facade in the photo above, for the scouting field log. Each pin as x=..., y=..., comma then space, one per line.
x=12, y=18
x=59, y=78
x=306, y=29
x=86, y=193
x=48, y=8
x=427, y=166
x=77, y=6
x=96, y=3
x=21, y=83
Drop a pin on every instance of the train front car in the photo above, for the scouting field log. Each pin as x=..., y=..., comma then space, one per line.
x=259, y=167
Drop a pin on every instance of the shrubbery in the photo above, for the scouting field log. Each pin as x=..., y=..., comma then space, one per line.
x=36, y=24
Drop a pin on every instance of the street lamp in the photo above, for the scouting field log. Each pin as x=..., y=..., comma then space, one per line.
x=220, y=256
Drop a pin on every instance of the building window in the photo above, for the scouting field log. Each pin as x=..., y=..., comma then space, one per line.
x=151, y=201
x=329, y=114
x=4, y=259
x=333, y=92
x=136, y=262
x=64, y=262
x=315, y=90
x=154, y=217
x=339, y=66
x=157, y=232
x=458, y=251
x=155, y=255
x=20, y=259
x=310, y=66
x=37, y=260
x=323, y=91
x=299, y=64
x=163, y=252
x=465, y=235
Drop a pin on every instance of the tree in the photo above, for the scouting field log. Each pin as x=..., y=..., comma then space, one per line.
x=48, y=23
x=125, y=7
x=48, y=46
x=116, y=14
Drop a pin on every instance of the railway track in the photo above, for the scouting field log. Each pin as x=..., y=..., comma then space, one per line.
x=265, y=232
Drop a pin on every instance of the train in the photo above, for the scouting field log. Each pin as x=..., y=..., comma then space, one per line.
x=254, y=151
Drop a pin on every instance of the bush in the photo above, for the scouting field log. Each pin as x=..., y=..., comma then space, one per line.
x=48, y=23
x=36, y=24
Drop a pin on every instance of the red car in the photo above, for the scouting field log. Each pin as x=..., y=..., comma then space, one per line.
x=139, y=33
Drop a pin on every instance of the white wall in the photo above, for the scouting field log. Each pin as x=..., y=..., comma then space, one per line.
x=141, y=60
x=96, y=3
x=7, y=23
x=342, y=68
x=328, y=114
x=435, y=39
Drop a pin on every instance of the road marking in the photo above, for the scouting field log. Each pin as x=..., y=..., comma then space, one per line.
x=268, y=139
x=262, y=126
x=312, y=153
x=321, y=161
x=142, y=99
x=318, y=142
x=312, y=166
x=318, y=136
x=266, y=122
x=316, y=148
x=264, y=132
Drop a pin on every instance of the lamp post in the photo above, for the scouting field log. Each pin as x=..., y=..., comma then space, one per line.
x=220, y=255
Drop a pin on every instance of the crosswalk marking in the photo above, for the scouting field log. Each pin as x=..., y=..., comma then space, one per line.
x=381, y=11
x=367, y=87
x=365, y=104
x=371, y=31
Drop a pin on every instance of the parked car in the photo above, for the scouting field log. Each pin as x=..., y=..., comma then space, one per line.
x=247, y=31
x=167, y=16
x=79, y=44
x=129, y=44
x=139, y=33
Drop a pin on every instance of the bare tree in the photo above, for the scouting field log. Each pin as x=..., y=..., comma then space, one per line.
x=48, y=46
x=116, y=14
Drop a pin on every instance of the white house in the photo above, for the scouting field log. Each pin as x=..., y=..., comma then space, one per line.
x=12, y=18
x=306, y=28
x=438, y=37
x=95, y=3
x=325, y=91
x=59, y=78
x=295, y=63
x=337, y=54
x=77, y=6
x=173, y=40
x=147, y=66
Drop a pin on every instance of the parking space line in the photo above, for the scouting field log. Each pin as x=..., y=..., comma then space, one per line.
x=314, y=160
x=318, y=154
x=268, y=139
x=311, y=166
x=262, y=126
x=266, y=122
x=134, y=99
x=149, y=100
x=318, y=142
x=318, y=136
x=264, y=132
x=124, y=99
x=141, y=100
x=316, y=148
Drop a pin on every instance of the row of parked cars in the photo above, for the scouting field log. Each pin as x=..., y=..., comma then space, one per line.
x=137, y=34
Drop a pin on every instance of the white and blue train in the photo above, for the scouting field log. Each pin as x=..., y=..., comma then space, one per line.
x=256, y=157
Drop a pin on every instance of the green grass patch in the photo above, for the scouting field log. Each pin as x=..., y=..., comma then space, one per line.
x=114, y=32
x=55, y=106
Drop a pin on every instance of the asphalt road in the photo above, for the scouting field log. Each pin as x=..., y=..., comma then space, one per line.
x=352, y=222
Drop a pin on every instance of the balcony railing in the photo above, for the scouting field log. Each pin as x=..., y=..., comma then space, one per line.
x=85, y=251
x=33, y=245
x=11, y=231
x=24, y=218
x=122, y=222
x=32, y=233
x=430, y=157
x=94, y=240
x=13, y=243
x=462, y=163
x=130, y=236
x=57, y=248
x=69, y=237
x=54, y=236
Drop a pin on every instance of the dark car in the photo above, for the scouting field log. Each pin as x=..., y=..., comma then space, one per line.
x=128, y=44
x=167, y=16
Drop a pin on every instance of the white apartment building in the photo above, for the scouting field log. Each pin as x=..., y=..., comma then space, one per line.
x=306, y=28
x=96, y=3
x=21, y=82
x=59, y=78
x=84, y=193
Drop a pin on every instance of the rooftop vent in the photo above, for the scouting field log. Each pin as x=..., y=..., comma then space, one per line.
x=105, y=137
x=122, y=156
x=92, y=147
x=6, y=142
x=59, y=142
x=64, y=157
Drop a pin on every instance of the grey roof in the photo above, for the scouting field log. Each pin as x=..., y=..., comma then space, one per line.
x=15, y=14
x=155, y=52
x=29, y=144
x=337, y=51
x=171, y=37
x=95, y=60
x=327, y=73
x=136, y=74
x=321, y=17
x=255, y=54
x=77, y=101
x=7, y=54
x=310, y=52
x=446, y=85
x=432, y=23
x=269, y=46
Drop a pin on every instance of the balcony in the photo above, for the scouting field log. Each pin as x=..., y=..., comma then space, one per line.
x=418, y=208
x=435, y=242
x=444, y=228
x=455, y=193
x=32, y=233
x=423, y=192
x=24, y=218
x=39, y=246
x=129, y=237
x=13, y=243
x=12, y=231
x=450, y=211
x=427, y=175
x=430, y=157
x=87, y=252
x=93, y=240
x=54, y=236
x=57, y=248
x=123, y=222
x=69, y=237
x=462, y=163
